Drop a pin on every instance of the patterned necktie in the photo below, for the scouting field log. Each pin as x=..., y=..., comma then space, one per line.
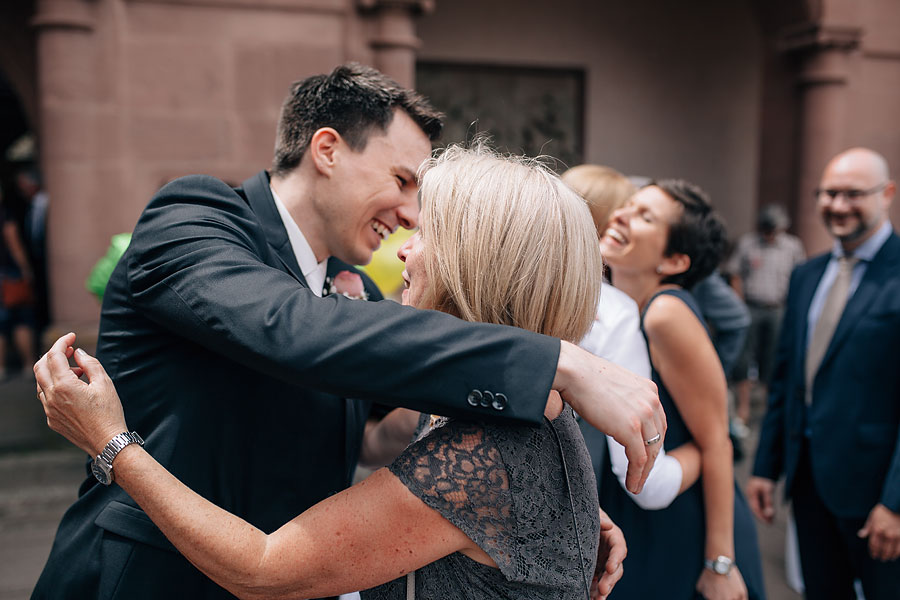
x=828, y=320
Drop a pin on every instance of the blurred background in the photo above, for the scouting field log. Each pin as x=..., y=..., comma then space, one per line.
x=104, y=101
x=748, y=98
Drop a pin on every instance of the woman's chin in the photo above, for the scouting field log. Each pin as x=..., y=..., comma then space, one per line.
x=404, y=297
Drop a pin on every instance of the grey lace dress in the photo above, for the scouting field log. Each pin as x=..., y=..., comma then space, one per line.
x=505, y=487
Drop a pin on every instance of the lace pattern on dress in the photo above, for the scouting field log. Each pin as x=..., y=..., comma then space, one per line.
x=457, y=471
x=503, y=487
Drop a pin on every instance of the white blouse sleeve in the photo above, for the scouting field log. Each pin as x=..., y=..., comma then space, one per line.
x=662, y=484
x=616, y=336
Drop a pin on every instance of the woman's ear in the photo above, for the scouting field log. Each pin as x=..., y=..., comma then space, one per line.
x=323, y=149
x=674, y=265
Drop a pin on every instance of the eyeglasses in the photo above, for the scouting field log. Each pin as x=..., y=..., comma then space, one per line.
x=851, y=195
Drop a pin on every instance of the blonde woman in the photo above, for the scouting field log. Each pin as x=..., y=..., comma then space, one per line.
x=471, y=510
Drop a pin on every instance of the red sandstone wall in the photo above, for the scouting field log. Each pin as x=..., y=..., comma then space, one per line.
x=155, y=90
x=132, y=93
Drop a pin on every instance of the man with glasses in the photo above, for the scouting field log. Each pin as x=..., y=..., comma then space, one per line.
x=834, y=406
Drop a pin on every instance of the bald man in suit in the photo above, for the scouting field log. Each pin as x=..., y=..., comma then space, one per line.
x=832, y=423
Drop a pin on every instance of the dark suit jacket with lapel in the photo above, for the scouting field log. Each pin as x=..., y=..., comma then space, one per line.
x=232, y=371
x=855, y=413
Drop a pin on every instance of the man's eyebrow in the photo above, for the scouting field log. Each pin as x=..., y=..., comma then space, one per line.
x=407, y=173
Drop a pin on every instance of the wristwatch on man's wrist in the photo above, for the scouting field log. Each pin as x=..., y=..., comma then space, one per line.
x=102, y=467
x=721, y=565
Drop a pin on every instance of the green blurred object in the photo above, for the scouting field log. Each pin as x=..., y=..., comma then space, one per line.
x=100, y=274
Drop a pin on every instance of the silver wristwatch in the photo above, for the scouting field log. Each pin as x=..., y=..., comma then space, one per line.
x=102, y=467
x=721, y=565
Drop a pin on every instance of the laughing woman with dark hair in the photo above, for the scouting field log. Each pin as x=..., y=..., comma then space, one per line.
x=663, y=241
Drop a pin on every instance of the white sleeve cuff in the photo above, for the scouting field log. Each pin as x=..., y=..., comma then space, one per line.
x=663, y=483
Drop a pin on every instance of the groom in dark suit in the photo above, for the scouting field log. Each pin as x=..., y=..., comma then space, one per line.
x=834, y=408
x=233, y=369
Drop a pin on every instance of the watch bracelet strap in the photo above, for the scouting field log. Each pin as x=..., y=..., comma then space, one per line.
x=120, y=441
x=710, y=563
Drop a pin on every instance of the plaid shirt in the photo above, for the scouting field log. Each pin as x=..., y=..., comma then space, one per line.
x=764, y=268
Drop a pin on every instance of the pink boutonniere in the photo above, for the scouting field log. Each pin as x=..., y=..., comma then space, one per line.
x=348, y=284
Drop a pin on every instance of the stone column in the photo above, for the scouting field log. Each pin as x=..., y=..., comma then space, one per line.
x=394, y=43
x=66, y=73
x=824, y=54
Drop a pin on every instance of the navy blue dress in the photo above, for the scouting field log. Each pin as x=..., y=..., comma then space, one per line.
x=666, y=547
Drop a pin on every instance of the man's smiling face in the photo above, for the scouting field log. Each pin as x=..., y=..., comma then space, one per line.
x=852, y=220
x=374, y=191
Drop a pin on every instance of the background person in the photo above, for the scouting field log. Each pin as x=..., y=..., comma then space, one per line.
x=761, y=268
x=662, y=241
x=616, y=336
x=16, y=293
x=34, y=237
x=831, y=427
x=478, y=511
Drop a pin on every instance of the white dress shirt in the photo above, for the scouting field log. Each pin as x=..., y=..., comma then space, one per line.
x=616, y=336
x=313, y=272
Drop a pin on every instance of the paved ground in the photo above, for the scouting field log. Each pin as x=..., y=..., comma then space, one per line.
x=40, y=474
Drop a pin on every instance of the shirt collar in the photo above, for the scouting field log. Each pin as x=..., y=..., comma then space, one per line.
x=868, y=249
x=313, y=272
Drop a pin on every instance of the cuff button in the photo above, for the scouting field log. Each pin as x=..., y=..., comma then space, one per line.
x=487, y=399
x=474, y=398
x=500, y=402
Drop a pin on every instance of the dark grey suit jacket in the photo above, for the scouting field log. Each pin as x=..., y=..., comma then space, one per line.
x=234, y=373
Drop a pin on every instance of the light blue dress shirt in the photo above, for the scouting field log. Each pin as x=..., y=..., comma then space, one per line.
x=865, y=253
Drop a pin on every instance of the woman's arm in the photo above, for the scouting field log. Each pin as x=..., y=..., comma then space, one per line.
x=384, y=440
x=369, y=534
x=687, y=363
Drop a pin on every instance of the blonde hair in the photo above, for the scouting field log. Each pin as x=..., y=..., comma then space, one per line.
x=506, y=242
x=604, y=189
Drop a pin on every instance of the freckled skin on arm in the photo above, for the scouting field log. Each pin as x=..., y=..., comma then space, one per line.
x=369, y=534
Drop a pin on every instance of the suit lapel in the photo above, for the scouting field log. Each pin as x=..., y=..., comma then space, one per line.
x=260, y=198
x=862, y=298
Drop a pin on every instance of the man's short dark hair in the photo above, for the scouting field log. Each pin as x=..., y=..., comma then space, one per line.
x=353, y=99
x=699, y=233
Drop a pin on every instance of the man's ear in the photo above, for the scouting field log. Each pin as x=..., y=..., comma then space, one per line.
x=674, y=264
x=890, y=190
x=323, y=148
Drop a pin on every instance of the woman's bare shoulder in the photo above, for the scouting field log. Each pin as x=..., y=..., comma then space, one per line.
x=669, y=315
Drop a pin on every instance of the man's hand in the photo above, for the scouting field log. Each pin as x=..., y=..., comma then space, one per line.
x=883, y=530
x=618, y=403
x=610, y=554
x=760, y=496
x=87, y=414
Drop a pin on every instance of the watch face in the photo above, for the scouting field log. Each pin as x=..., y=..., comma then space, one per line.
x=102, y=471
x=722, y=565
